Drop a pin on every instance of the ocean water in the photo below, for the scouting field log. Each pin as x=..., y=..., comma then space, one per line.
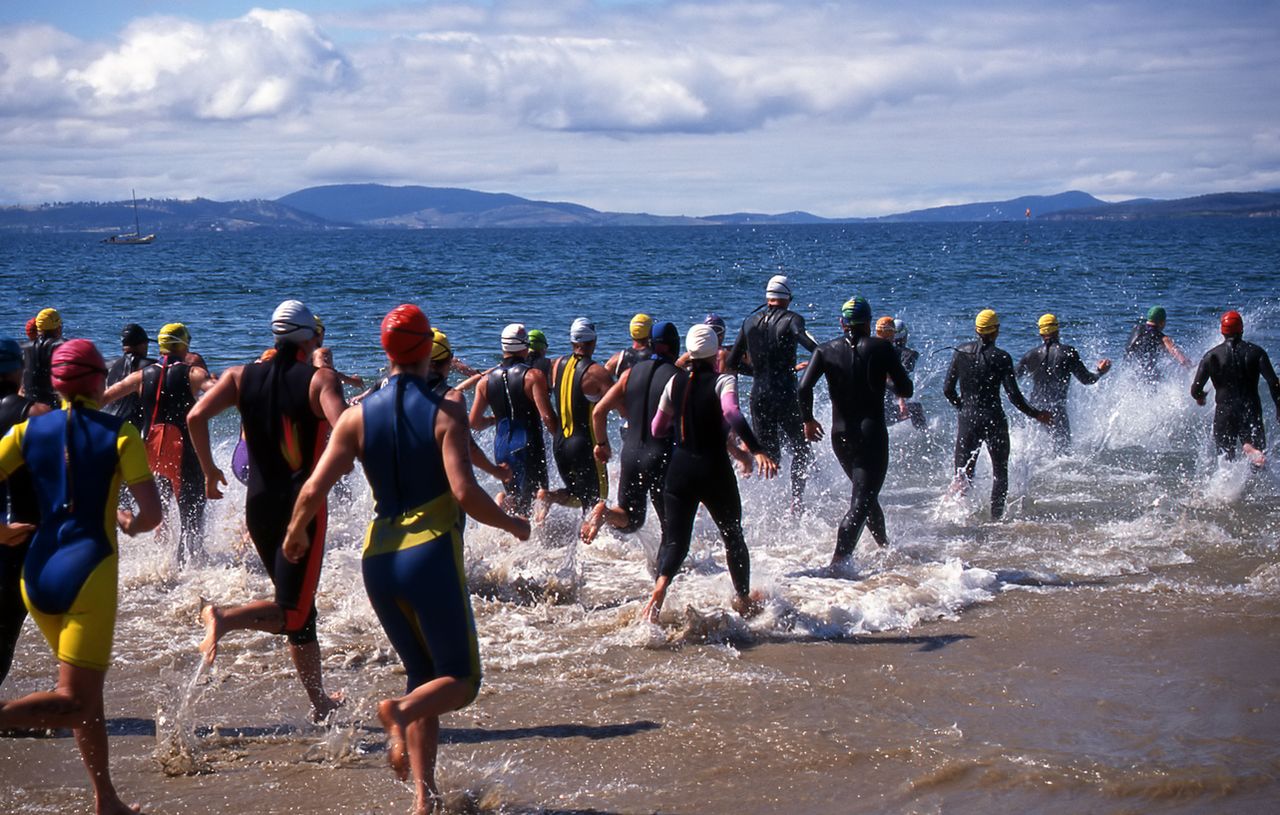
x=1139, y=512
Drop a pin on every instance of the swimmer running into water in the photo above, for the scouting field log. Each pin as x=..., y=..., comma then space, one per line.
x=1235, y=366
x=413, y=439
x=77, y=457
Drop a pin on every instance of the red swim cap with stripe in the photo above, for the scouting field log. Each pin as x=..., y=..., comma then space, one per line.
x=78, y=368
x=1232, y=323
x=406, y=335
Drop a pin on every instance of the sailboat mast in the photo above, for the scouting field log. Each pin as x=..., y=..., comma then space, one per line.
x=137, y=226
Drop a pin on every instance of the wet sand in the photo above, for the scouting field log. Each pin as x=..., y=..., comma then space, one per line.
x=1048, y=700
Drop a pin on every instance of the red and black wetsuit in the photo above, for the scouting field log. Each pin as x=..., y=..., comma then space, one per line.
x=1234, y=367
x=167, y=402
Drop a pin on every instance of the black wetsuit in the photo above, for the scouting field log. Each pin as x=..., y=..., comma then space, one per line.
x=629, y=357
x=980, y=369
x=1146, y=349
x=644, y=457
x=769, y=338
x=17, y=505
x=37, y=371
x=584, y=477
x=518, y=436
x=915, y=411
x=169, y=405
x=127, y=407
x=856, y=367
x=1234, y=367
x=1051, y=367
x=701, y=473
x=284, y=439
x=537, y=472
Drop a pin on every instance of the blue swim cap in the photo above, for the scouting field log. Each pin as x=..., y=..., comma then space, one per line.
x=667, y=334
x=11, y=356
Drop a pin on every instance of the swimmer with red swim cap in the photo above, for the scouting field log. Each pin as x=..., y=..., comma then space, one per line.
x=77, y=458
x=413, y=440
x=286, y=408
x=1234, y=366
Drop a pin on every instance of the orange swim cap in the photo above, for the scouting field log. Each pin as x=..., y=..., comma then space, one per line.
x=406, y=335
x=1232, y=324
x=884, y=328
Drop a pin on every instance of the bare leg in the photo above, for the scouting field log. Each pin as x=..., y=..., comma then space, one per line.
x=659, y=596
x=591, y=526
x=306, y=658
x=415, y=747
x=260, y=615
x=76, y=703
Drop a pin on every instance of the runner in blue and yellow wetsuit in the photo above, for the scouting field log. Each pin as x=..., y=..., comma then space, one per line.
x=413, y=439
x=286, y=406
x=77, y=458
x=578, y=383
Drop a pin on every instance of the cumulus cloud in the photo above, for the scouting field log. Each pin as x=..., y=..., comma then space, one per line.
x=262, y=64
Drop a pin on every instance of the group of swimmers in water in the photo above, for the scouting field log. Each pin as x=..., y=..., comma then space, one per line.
x=76, y=430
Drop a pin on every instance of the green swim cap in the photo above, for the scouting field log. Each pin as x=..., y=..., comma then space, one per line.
x=856, y=310
x=537, y=340
x=1156, y=314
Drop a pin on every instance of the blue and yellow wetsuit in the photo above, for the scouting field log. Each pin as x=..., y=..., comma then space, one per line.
x=78, y=457
x=413, y=564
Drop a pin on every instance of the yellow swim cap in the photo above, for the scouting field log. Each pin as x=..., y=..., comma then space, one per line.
x=988, y=322
x=441, y=351
x=884, y=328
x=1048, y=325
x=641, y=327
x=172, y=337
x=48, y=320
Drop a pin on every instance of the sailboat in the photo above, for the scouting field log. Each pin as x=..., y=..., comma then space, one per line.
x=132, y=238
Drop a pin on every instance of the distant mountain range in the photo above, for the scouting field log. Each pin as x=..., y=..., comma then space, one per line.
x=374, y=206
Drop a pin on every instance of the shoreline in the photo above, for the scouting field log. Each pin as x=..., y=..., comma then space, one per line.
x=1106, y=700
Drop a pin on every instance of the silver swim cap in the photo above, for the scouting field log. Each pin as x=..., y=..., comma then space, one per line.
x=293, y=322
x=582, y=331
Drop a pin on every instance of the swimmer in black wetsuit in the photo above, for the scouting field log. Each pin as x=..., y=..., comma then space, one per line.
x=37, y=382
x=701, y=406
x=981, y=369
x=898, y=408
x=284, y=406
x=1235, y=366
x=134, y=344
x=517, y=396
x=412, y=438
x=19, y=509
x=1051, y=367
x=768, y=339
x=857, y=367
x=641, y=349
x=165, y=391
x=579, y=382
x=1148, y=345
x=644, y=457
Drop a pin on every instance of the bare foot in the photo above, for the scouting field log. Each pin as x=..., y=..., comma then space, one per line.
x=959, y=486
x=114, y=806
x=651, y=609
x=1256, y=457
x=591, y=526
x=748, y=605
x=212, y=620
x=331, y=703
x=541, y=507
x=397, y=756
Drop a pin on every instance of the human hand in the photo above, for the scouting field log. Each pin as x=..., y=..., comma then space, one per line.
x=813, y=430
x=503, y=472
x=295, y=544
x=518, y=526
x=603, y=452
x=768, y=467
x=1104, y=365
x=1044, y=417
x=211, y=482
x=15, y=534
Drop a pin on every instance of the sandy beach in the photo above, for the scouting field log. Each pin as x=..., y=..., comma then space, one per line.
x=1042, y=701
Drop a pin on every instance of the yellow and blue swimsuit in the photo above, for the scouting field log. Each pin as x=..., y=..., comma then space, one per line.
x=413, y=560
x=78, y=457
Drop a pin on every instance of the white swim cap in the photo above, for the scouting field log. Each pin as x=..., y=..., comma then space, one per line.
x=515, y=339
x=702, y=341
x=900, y=329
x=582, y=331
x=293, y=322
x=779, y=287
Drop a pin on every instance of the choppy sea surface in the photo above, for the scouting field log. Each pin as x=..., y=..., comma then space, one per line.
x=1139, y=506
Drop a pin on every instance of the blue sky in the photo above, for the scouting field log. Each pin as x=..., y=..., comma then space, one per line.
x=694, y=107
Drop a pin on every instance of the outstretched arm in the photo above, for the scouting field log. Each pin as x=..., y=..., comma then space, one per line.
x=130, y=384
x=453, y=435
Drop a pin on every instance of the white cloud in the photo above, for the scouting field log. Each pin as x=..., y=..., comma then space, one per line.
x=262, y=64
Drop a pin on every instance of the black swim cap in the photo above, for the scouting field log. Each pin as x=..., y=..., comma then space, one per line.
x=133, y=334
